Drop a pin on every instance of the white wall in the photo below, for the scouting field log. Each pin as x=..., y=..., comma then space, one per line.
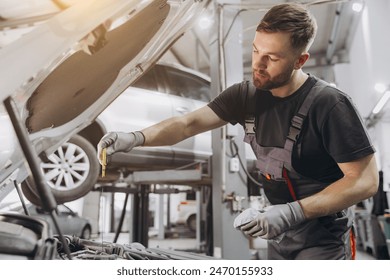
x=370, y=64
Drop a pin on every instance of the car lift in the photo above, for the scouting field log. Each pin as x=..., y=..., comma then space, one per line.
x=139, y=184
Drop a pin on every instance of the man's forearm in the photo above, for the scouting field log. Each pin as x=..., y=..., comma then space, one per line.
x=347, y=191
x=336, y=197
x=176, y=129
x=167, y=132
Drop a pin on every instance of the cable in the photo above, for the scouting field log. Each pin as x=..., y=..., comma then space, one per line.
x=21, y=198
x=231, y=26
x=235, y=153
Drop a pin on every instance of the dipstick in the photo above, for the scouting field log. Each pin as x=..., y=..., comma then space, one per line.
x=104, y=161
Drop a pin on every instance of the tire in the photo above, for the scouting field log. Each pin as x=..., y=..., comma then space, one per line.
x=86, y=232
x=191, y=222
x=71, y=172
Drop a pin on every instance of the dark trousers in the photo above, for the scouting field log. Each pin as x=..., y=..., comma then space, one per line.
x=326, y=238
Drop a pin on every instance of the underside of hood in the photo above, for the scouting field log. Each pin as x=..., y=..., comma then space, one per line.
x=82, y=78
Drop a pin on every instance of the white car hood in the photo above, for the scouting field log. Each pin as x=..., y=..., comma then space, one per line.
x=67, y=70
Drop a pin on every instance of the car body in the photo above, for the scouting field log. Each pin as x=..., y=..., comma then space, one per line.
x=62, y=74
x=167, y=90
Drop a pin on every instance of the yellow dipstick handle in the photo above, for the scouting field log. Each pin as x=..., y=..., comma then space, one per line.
x=104, y=161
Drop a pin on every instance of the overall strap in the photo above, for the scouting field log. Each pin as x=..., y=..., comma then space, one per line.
x=297, y=120
x=250, y=107
x=296, y=127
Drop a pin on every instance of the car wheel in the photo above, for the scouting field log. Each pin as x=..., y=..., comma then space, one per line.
x=86, y=232
x=71, y=172
x=191, y=222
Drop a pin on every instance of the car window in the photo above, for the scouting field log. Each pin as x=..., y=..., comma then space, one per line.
x=147, y=81
x=64, y=210
x=191, y=196
x=37, y=210
x=187, y=85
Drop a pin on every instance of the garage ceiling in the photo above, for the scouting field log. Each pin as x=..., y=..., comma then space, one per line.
x=337, y=22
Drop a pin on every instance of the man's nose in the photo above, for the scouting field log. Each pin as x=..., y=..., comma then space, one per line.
x=261, y=63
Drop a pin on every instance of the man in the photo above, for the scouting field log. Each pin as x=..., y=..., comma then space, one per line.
x=313, y=152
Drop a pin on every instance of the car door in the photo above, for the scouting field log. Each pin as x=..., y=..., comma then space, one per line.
x=189, y=91
x=66, y=220
x=141, y=105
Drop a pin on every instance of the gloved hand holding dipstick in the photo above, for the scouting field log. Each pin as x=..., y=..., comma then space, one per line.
x=271, y=222
x=114, y=142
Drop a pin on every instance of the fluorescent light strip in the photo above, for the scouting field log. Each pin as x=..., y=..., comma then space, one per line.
x=382, y=102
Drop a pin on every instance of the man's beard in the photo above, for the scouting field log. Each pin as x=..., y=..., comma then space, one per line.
x=278, y=81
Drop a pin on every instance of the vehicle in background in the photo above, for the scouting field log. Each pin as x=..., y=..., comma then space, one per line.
x=186, y=211
x=70, y=222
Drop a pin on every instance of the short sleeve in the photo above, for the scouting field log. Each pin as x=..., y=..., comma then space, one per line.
x=344, y=134
x=230, y=105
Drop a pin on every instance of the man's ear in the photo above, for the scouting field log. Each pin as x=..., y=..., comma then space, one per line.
x=301, y=60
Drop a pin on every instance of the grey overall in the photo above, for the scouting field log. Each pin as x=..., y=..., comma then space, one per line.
x=326, y=237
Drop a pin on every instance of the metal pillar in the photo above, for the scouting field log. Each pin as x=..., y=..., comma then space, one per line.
x=141, y=215
x=226, y=69
x=160, y=217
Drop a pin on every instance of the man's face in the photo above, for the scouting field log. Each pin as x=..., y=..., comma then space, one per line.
x=273, y=60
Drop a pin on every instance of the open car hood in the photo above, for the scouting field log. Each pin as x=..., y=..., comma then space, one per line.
x=66, y=71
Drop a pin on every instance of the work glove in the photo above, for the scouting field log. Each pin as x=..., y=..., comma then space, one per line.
x=119, y=142
x=271, y=222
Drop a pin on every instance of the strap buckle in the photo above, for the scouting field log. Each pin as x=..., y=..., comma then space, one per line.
x=250, y=127
x=295, y=128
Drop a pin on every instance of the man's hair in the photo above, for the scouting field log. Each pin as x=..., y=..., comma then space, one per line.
x=292, y=18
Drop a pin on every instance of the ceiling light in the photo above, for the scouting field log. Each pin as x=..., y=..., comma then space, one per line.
x=379, y=87
x=381, y=103
x=357, y=7
x=205, y=22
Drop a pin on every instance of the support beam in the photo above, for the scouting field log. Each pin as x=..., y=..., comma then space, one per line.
x=141, y=215
x=226, y=69
x=164, y=176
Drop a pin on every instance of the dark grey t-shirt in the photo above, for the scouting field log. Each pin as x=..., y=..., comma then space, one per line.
x=332, y=133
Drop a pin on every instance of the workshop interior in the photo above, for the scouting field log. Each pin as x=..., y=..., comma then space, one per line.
x=71, y=71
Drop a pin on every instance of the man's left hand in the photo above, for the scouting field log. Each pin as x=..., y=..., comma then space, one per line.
x=274, y=221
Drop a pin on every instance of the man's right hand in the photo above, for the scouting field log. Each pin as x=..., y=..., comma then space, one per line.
x=119, y=142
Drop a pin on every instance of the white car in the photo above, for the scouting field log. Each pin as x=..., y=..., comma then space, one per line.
x=164, y=91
